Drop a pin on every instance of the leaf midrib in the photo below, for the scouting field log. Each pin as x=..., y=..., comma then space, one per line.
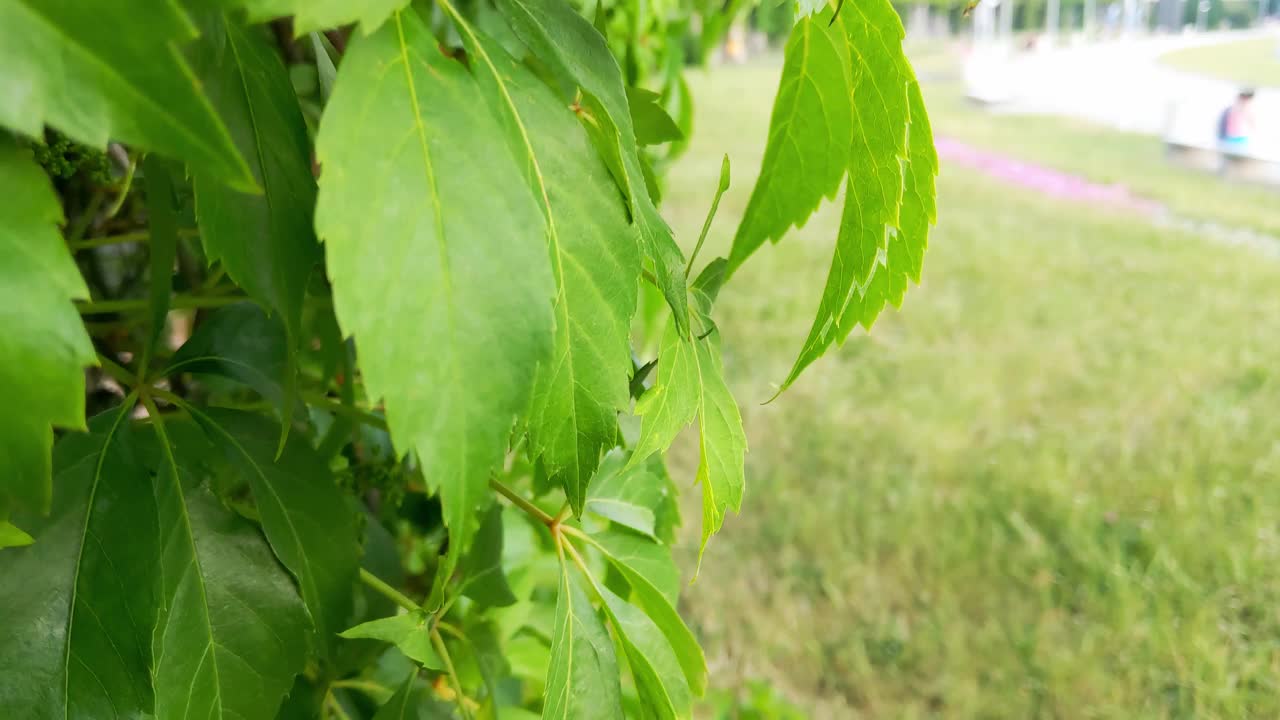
x=167, y=447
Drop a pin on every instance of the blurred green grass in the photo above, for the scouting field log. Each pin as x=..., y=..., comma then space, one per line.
x=1044, y=488
x=1255, y=61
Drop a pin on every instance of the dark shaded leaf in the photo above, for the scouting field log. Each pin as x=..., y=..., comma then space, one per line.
x=485, y=582
x=80, y=603
x=265, y=241
x=305, y=515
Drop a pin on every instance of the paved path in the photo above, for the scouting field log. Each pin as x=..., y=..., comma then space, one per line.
x=1122, y=83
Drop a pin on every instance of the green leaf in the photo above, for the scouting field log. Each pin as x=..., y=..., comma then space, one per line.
x=638, y=496
x=447, y=287
x=407, y=631
x=309, y=15
x=44, y=347
x=130, y=84
x=232, y=632
x=265, y=242
x=241, y=343
x=162, y=220
x=582, y=680
x=654, y=580
x=590, y=79
x=809, y=134
x=652, y=123
x=404, y=703
x=848, y=107
x=79, y=604
x=690, y=382
x=13, y=536
x=660, y=682
x=486, y=583
x=326, y=70
x=595, y=262
x=304, y=514
x=889, y=205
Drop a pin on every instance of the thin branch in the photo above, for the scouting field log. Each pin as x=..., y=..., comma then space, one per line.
x=85, y=219
x=368, y=687
x=138, y=236
x=564, y=513
x=327, y=403
x=399, y=598
x=522, y=503
x=179, y=302
x=443, y=652
x=130, y=167
x=117, y=372
x=335, y=706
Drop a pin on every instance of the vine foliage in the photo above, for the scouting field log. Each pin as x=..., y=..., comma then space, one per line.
x=362, y=340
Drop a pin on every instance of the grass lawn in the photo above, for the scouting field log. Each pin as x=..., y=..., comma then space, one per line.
x=1044, y=488
x=1249, y=62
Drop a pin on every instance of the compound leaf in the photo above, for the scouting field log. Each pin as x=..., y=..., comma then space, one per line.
x=44, y=347
x=590, y=79
x=447, y=287
x=63, y=70
x=848, y=107
x=594, y=259
x=690, y=382
x=809, y=134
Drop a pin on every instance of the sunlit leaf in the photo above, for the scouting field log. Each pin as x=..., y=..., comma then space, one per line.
x=62, y=68
x=593, y=256
x=44, y=347
x=447, y=288
x=654, y=579
x=590, y=79
x=582, y=680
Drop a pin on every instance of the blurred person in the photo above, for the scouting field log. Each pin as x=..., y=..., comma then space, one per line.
x=1237, y=123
